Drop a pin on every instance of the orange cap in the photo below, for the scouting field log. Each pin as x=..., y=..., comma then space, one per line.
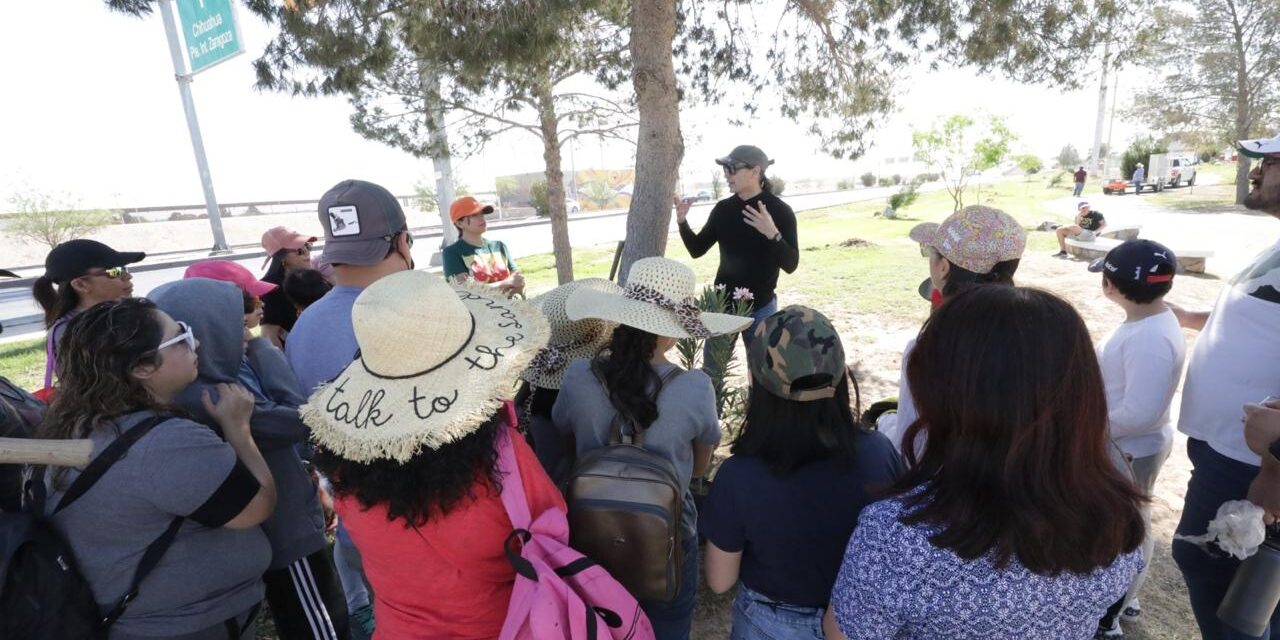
x=467, y=206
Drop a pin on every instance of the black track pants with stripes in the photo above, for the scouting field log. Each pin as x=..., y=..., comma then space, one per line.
x=306, y=600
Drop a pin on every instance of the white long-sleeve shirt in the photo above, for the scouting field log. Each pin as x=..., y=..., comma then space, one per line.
x=1141, y=364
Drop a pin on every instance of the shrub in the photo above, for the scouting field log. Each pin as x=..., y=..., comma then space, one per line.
x=886, y=182
x=1029, y=163
x=904, y=198
x=1140, y=151
x=868, y=179
x=538, y=198
x=778, y=184
x=897, y=178
x=844, y=184
x=52, y=219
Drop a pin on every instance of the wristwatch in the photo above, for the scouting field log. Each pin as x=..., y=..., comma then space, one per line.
x=776, y=236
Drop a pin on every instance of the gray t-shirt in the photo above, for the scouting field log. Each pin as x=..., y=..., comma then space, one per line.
x=686, y=413
x=207, y=576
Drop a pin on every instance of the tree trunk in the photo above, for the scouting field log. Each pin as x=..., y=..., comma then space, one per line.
x=1243, y=120
x=440, y=156
x=1095, y=152
x=550, y=128
x=660, y=146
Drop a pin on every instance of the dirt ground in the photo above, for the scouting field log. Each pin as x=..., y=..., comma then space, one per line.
x=1166, y=612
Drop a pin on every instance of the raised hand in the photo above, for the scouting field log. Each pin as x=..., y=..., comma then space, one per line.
x=760, y=220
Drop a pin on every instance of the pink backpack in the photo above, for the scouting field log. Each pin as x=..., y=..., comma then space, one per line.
x=559, y=593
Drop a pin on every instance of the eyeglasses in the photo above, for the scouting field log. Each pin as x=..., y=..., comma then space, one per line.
x=303, y=250
x=115, y=273
x=188, y=335
x=730, y=169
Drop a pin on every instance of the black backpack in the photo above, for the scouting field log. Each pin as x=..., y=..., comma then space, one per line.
x=42, y=594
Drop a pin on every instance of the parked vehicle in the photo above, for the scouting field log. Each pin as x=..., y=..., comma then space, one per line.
x=1182, y=169
x=571, y=206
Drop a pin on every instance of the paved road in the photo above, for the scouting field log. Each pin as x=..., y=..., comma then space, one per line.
x=21, y=316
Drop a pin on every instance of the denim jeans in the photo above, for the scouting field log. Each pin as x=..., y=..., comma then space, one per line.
x=1215, y=479
x=748, y=334
x=756, y=617
x=1078, y=190
x=672, y=620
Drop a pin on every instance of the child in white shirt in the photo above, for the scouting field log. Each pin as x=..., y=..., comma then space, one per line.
x=1141, y=365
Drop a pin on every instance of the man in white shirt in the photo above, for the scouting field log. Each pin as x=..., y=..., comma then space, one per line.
x=1236, y=362
x=1141, y=364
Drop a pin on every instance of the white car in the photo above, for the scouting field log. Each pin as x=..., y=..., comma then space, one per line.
x=571, y=206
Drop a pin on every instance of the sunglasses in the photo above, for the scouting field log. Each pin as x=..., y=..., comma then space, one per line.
x=115, y=273
x=730, y=169
x=188, y=336
x=303, y=250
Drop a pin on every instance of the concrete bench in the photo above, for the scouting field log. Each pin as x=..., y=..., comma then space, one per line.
x=1189, y=260
x=1121, y=232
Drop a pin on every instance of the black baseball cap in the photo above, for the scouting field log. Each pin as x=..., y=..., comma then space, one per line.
x=745, y=154
x=360, y=220
x=75, y=258
x=1139, y=262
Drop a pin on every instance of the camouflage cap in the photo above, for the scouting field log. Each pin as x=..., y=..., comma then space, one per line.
x=797, y=346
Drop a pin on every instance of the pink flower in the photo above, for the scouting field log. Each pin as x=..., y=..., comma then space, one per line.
x=742, y=294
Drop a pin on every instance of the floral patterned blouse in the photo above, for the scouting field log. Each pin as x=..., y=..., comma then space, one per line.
x=894, y=584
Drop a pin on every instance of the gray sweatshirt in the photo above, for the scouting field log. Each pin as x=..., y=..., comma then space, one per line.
x=214, y=310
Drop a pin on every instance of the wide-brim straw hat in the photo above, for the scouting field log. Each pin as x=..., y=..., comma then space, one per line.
x=661, y=298
x=436, y=361
x=570, y=339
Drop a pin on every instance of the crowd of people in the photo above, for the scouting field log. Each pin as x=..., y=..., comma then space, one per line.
x=453, y=438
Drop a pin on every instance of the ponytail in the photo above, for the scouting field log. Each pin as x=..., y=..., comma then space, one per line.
x=55, y=302
x=765, y=185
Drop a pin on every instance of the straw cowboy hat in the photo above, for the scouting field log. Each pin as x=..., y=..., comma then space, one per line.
x=570, y=339
x=436, y=361
x=661, y=298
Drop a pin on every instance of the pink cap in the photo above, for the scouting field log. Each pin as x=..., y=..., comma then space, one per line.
x=277, y=238
x=228, y=271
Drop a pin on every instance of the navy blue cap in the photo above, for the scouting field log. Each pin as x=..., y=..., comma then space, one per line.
x=1139, y=261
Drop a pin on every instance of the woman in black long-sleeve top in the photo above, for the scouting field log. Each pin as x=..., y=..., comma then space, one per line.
x=755, y=229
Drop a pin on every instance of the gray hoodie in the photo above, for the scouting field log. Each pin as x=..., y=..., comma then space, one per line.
x=213, y=309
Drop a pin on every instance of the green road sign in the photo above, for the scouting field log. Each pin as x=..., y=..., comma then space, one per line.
x=209, y=29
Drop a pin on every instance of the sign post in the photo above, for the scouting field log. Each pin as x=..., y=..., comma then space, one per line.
x=211, y=36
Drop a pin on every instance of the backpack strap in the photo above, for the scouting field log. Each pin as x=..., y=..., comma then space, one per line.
x=150, y=558
x=109, y=456
x=90, y=476
x=513, y=496
x=617, y=433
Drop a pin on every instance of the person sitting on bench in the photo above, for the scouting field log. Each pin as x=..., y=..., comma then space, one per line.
x=1087, y=225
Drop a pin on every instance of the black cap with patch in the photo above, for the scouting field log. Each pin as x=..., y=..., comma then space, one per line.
x=1138, y=261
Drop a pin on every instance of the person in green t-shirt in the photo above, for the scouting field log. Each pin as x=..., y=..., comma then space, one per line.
x=474, y=258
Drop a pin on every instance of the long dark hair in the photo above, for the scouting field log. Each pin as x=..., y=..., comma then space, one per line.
x=628, y=376
x=99, y=350
x=55, y=302
x=789, y=434
x=959, y=279
x=1016, y=460
x=429, y=485
x=276, y=270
